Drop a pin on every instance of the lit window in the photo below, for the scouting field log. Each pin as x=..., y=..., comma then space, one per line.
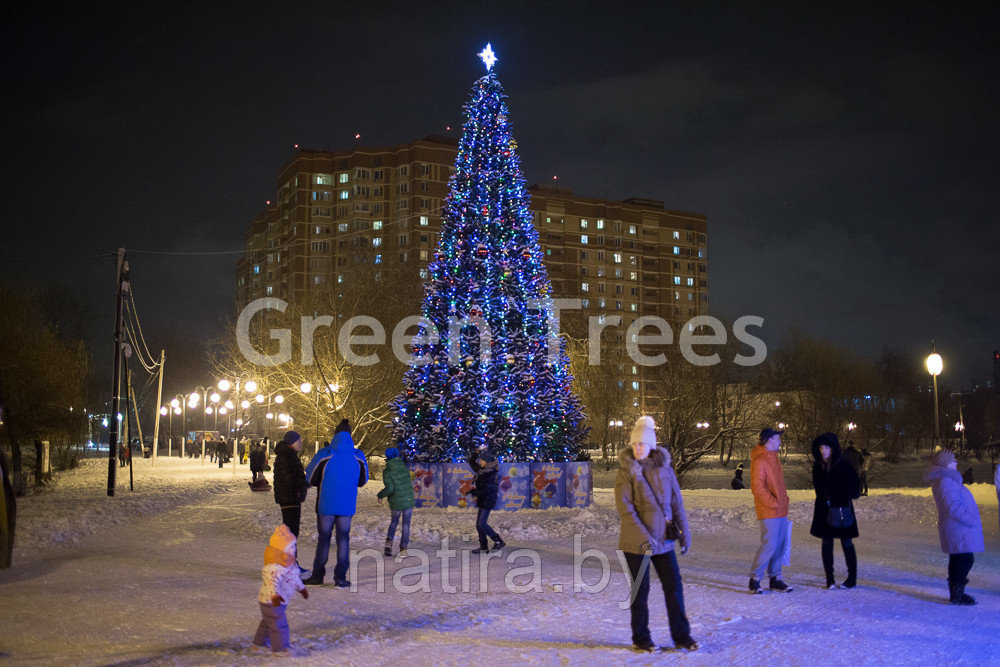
x=324, y=179
x=633, y=275
x=378, y=259
x=633, y=307
x=586, y=303
x=423, y=254
x=340, y=278
x=618, y=258
x=423, y=221
x=377, y=241
x=677, y=235
x=601, y=303
x=690, y=282
x=270, y=290
x=583, y=238
x=583, y=223
x=631, y=229
x=344, y=194
x=256, y=268
x=585, y=287
x=635, y=386
x=342, y=227
x=600, y=223
x=677, y=280
x=377, y=224
x=548, y=220
x=343, y=178
x=677, y=250
x=423, y=273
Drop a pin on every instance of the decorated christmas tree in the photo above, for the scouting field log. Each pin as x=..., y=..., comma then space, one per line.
x=495, y=374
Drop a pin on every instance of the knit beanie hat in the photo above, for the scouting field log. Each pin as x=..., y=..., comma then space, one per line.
x=943, y=457
x=487, y=456
x=291, y=437
x=344, y=425
x=391, y=453
x=282, y=539
x=644, y=431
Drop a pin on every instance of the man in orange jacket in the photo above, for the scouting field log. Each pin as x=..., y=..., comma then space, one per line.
x=770, y=499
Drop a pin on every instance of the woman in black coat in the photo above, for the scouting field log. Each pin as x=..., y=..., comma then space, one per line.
x=837, y=484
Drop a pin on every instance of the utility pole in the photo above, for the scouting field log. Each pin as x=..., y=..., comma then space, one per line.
x=131, y=408
x=121, y=278
x=159, y=398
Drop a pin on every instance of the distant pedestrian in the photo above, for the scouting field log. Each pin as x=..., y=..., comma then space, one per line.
x=967, y=476
x=257, y=460
x=486, y=488
x=960, y=528
x=242, y=451
x=280, y=581
x=852, y=455
x=399, y=490
x=338, y=471
x=837, y=484
x=121, y=455
x=866, y=464
x=220, y=451
x=737, y=481
x=770, y=498
x=653, y=524
x=8, y=513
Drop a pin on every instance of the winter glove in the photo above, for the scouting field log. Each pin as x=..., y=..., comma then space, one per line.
x=684, y=549
x=276, y=600
x=305, y=593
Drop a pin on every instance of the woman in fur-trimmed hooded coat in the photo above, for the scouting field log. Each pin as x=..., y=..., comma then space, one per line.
x=837, y=485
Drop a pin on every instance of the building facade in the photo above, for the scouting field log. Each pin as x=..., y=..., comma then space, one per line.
x=380, y=207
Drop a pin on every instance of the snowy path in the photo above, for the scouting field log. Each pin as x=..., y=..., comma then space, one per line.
x=177, y=584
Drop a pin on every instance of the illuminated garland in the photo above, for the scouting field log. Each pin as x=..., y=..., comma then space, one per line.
x=488, y=265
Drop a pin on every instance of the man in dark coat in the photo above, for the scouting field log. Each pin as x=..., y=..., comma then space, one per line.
x=220, y=451
x=837, y=484
x=290, y=485
x=853, y=456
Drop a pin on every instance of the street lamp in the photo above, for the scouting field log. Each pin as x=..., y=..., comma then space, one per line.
x=935, y=364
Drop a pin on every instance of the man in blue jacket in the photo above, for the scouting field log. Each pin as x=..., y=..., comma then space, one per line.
x=338, y=470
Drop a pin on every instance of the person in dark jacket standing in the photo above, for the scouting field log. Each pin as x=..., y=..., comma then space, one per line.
x=220, y=451
x=257, y=459
x=290, y=485
x=486, y=489
x=737, y=481
x=8, y=513
x=852, y=456
x=837, y=484
x=648, y=499
x=338, y=470
x=399, y=490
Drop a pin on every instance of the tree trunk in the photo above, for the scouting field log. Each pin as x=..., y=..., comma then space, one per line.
x=17, y=477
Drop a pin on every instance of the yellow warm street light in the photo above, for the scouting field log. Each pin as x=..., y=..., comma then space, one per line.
x=935, y=364
x=305, y=387
x=224, y=385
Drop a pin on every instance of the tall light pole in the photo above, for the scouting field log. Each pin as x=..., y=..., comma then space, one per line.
x=935, y=365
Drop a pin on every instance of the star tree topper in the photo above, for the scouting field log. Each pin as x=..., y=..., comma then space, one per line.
x=489, y=58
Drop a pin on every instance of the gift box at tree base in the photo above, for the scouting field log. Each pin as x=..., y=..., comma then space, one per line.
x=523, y=484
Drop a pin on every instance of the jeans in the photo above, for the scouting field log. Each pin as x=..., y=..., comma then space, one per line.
x=773, y=544
x=850, y=557
x=325, y=524
x=959, y=566
x=673, y=593
x=404, y=536
x=483, y=528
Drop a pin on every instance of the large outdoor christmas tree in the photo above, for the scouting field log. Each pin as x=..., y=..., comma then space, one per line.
x=499, y=383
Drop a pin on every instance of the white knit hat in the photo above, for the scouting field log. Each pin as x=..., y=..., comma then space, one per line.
x=644, y=431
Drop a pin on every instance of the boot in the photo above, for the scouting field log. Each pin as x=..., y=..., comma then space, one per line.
x=851, y=556
x=388, y=549
x=958, y=595
x=498, y=544
x=828, y=568
x=483, y=548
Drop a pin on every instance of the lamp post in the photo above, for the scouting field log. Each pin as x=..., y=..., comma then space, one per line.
x=935, y=365
x=306, y=388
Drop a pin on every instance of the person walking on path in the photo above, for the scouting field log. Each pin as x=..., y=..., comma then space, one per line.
x=220, y=451
x=960, y=528
x=770, y=499
x=837, y=485
x=653, y=523
x=737, y=481
x=399, y=490
x=280, y=581
x=486, y=489
x=8, y=513
x=338, y=470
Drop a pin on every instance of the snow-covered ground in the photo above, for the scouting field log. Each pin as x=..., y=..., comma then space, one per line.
x=169, y=573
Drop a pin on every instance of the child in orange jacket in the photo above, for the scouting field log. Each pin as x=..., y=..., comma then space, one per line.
x=281, y=579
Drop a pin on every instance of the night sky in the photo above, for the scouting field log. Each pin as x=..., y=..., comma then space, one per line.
x=845, y=156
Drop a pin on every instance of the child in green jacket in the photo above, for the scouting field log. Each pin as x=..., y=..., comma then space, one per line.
x=399, y=490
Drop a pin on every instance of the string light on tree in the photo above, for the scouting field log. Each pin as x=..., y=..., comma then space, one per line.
x=504, y=388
